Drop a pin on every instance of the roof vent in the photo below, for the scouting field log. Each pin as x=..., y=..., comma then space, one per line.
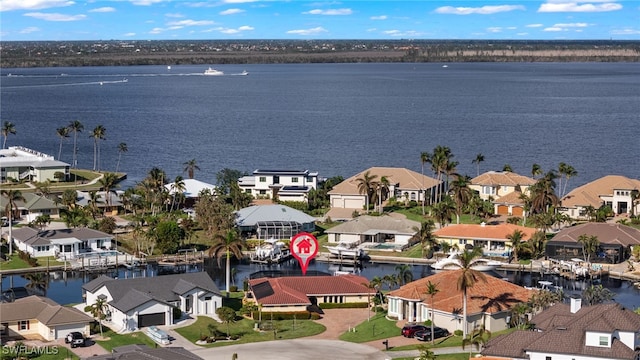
x=483, y=224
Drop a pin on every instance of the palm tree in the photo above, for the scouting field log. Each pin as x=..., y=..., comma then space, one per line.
x=543, y=194
x=8, y=128
x=517, y=243
x=440, y=161
x=190, y=167
x=63, y=133
x=590, y=245
x=535, y=170
x=479, y=337
x=635, y=196
x=178, y=188
x=425, y=157
x=74, y=217
x=382, y=191
x=38, y=282
x=405, y=275
x=479, y=158
x=107, y=183
x=569, y=172
x=97, y=134
x=13, y=196
x=538, y=243
x=228, y=245
x=98, y=310
x=94, y=200
x=507, y=167
x=122, y=148
x=468, y=278
x=594, y=295
x=432, y=290
x=76, y=127
x=425, y=235
x=366, y=185
x=69, y=198
x=461, y=194
x=444, y=210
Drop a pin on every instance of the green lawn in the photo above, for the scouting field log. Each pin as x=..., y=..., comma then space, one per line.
x=376, y=328
x=116, y=340
x=17, y=263
x=245, y=329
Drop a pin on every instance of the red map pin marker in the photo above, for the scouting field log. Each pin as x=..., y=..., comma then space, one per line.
x=304, y=247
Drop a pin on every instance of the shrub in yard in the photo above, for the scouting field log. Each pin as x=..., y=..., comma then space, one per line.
x=360, y=305
x=233, y=288
x=177, y=313
x=457, y=333
x=299, y=315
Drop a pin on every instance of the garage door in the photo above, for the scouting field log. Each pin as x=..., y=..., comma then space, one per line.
x=353, y=204
x=63, y=330
x=517, y=211
x=151, y=319
x=503, y=210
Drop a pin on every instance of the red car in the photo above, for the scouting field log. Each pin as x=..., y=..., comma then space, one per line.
x=410, y=330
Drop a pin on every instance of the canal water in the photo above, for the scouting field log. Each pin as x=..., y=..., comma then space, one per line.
x=66, y=287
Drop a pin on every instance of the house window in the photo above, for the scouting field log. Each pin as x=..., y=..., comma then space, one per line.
x=263, y=179
x=488, y=190
x=23, y=325
x=263, y=192
x=294, y=179
x=604, y=341
x=547, y=358
x=248, y=191
x=309, y=179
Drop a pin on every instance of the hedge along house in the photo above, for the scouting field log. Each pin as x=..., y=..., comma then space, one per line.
x=140, y=302
x=488, y=303
x=304, y=293
x=615, y=240
x=491, y=238
x=273, y=221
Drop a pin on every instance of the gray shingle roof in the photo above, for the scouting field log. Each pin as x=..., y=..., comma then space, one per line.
x=385, y=224
x=251, y=215
x=128, y=294
x=142, y=352
x=43, y=309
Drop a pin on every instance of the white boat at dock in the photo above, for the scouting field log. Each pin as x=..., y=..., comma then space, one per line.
x=213, y=72
x=271, y=251
x=346, y=250
x=452, y=262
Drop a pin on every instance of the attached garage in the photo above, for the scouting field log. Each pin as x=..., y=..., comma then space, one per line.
x=63, y=330
x=517, y=211
x=503, y=210
x=353, y=203
x=151, y=319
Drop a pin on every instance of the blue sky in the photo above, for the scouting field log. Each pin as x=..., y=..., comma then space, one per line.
x=293, y=19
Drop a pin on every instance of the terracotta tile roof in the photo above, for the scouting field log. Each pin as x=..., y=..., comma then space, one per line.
x=494, y=295
x=295, y=290
x=482, y=232
x=589, y=193
x=615, y=234
x=493, y=178
x=564, y=332
x=407, y=179
x=512, y=198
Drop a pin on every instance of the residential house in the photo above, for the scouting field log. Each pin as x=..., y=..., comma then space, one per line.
x=284, y=185
x=62, y=243
x=491, y=238
x=404, y=185
x=143, y=352
x=504, y=189
x=616, y=241
x=570, y=331
x=489, y=302
x=108, y=204
x=145, y=301
x=389, y=230
x=191, y=192
x=616, y=191
x=20, y=163
x=298, y=293
x=36, y=316
x=33, y=206
x=273, y=221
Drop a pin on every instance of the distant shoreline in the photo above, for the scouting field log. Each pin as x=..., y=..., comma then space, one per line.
x=128, y=53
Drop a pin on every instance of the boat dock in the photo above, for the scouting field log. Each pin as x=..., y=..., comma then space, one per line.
x=184, y=257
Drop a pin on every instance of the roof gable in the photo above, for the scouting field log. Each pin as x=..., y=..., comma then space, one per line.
x=405, y=178
x=589, y=193
x=607, y=233
x=386, y=224
x=252, y=215
x=502, y=178
x=43, y=309
x=475, y=231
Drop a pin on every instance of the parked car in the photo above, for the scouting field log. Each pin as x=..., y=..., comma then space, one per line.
x=75, y=339
x=410, y=330
x=425, y=335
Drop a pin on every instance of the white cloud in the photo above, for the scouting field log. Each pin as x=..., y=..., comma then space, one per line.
x=313, y=31
x=484, y=10
x=175, y=27
x=238, y=1
x=231, y=11
x=55, y=16
x=8, y=5
x=29, y=30
x=156, y=30
x=577, y=6
x=511, y=28
x=522, y=34
x=105, y=9
x=494, y=29
x=246, y=28
x=535, y=25
x=554, y=29
x=626, y=31
x=130, y=34
x=329, y=12
x=174, y=15
x=398, y=33
x=381, y=17
x=567, y=27
x=580, y=25
x=190, y=23
x=145, y=2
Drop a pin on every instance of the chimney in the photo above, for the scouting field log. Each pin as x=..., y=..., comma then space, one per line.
x=576, y=303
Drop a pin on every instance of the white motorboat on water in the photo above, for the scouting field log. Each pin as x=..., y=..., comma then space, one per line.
x=452, y=262
x=346, y=250
x=213, y=72
x=271, y=250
